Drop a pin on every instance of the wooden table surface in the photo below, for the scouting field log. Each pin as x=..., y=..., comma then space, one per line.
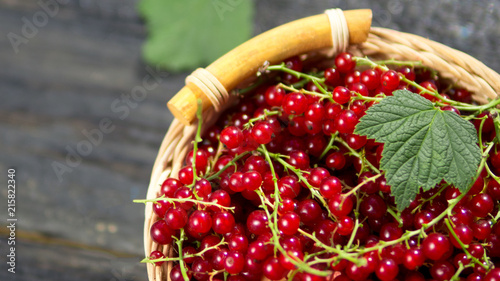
x=82, y=153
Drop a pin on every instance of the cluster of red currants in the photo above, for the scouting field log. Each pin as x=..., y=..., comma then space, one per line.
x=294, y=193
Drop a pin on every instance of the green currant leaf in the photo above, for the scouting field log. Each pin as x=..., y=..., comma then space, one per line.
x=190, y=33
x=423, y=145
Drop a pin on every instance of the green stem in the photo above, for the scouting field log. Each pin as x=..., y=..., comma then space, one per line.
x=197, y=139
x=181, y=259
x=231, y=163
x=301, y=265
x=261, y=117
x=282, y=67
x=329, y=146
x=460, y=268
x=356, y=154
x=395, y=216
x=341, y=253
x=198, y=254
x=252, y=87
x=370, y=179
x=182, y=200
x=395, y=62
x=306, y=92
x=314, y=192
x=462, y=245
x=356, y=224
x=378, y=98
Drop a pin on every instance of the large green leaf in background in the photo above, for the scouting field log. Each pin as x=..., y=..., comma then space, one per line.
x=185, y=34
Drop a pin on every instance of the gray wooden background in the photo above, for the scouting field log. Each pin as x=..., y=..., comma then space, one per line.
x=69, y=77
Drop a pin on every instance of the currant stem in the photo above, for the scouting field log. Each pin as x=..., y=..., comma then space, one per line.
x=341, y=253
x=460, y=268
x=197, y=139
x=182, y=264
x=261, y=117
x=314, y=192
x=370, y=179
x=462, y=245
x=231, y=163
x=306, y=92
x=183, y=200
x=356, y=154
x=356, y=224
x=395, y=216
x=199, y=254
x=330, y=145
x=282, y=67
x=273, y=223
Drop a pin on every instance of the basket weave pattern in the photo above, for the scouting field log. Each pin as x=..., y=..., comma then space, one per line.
x=460, y=68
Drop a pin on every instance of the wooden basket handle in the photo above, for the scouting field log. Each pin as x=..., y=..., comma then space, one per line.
x=297, y=37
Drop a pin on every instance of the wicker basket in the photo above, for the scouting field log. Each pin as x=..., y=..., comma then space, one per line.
x=312, y=34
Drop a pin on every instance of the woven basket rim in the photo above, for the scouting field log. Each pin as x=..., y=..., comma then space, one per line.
x=461, y=68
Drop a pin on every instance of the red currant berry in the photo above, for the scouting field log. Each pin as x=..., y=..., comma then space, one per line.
x=252, y=180
x=257, y=222
x=272, y=269
x=413, y=258
x=231, y=136
x=493, y=275
x=390, y=231
x=236, y=182
x=298, y=159
x=289, y=186
x=201, y=159
x=294, y=103
x=234, y=262
x=330, y=186
x=169, y=187
x=435, y=246
x=200, y=221
x=309, y=211
x=340, y=205
x=274, y=96
x=223, y=222
x=315, y=112
x=462, y=95
x=373, y=207
x=390, y=80
x=442, y=270
x=481, y=205
x=335, y=160
x=464, y=234
x=262, y=132
x=387, y=270
x=161, y=207
x=346, y=122
x=317, y=175
x=176, y=218
x=481, y=229
x=345, y=225
x=332, y=77
x=285, y=260
x=157, y=255
x=341, y=95
x=371, y=78
x=289, y=223
x=176, y=273
x=161, y=233
x=345, y=62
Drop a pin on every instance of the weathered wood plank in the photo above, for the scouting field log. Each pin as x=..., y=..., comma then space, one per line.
x=48, y=262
